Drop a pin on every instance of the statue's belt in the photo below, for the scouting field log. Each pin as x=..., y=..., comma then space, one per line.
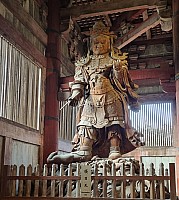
x=100, y=90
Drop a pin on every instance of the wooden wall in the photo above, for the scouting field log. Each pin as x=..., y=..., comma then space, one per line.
x=1, y=150
x=23, y=29
x=23, y=73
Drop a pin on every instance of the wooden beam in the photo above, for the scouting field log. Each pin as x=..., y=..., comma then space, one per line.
x=137, y=75
x=160, y=97
x=158, y=39
x=147, y=82
x=127, y=16
x=18, y=11
x=8, y=31
x=105, y=8
x=157, y=73
x=7, y=151
x=151, y=22
x=145, y=17
x=168, y=86
x=161, y=60
x=19, y=132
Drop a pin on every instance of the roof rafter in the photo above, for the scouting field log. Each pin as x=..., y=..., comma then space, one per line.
x=105, y=8
x=151, y=22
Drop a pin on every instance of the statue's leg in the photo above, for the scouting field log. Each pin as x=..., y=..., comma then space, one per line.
x=114, y=137
x=87, y=136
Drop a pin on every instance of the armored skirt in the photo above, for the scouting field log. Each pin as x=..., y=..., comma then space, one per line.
x=104, y=112
x=103, y=115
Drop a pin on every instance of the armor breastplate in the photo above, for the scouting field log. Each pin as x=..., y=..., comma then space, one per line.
x=98, y=65
x=97, y=69
x=103, y=101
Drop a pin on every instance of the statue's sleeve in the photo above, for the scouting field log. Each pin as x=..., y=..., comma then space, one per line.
x=124, y=82
x=79, y=83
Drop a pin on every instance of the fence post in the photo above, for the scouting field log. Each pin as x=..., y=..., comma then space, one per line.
x=61, y=183
x=142, y=183
x=172, y=181
x=21, y=182
x=28, y=182
x=44, y=182
x=4, y=181
x=152, y=186
x=36, y=186
x=123, y=182
x=95, y=182
x=69, y=184
x=113, y=181
x=78, y=173
x=104, y=181
x=161, y=182
x=132, y=182
x=53, y=172
x=13, y=182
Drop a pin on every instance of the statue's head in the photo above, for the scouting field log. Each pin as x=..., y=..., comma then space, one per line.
x=101, y=38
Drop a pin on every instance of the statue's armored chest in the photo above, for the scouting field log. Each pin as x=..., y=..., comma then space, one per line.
x=98, y=64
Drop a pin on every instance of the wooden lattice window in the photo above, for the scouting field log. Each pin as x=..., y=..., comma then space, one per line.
x=20, y=86
x=155, y=123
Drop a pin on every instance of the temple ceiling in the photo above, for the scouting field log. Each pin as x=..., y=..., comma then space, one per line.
x=143, y=29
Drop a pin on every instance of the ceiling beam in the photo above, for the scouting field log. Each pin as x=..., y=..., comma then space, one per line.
x=145, y=17
x=161, y=60
x=26, y=19
x=155, y=98
x=105, y=8
x=157, y=73
x=158, y=39
x=151, y=22
x=164, y=73
x=126, y=16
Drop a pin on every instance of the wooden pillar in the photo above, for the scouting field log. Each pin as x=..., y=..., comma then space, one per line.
x=175, y=5
x=51, y=131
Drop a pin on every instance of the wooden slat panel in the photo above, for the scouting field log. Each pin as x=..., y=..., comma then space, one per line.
x=19, y=100
x=20, y=184
x=155, y=123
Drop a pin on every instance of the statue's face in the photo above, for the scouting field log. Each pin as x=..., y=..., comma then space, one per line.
x=100, y=44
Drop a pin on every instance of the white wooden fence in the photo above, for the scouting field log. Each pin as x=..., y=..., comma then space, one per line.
x=64, y=182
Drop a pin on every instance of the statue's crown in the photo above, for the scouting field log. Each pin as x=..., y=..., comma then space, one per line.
x=99, y=28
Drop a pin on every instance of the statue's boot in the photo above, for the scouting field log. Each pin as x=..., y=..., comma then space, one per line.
x=114, y=147
x=82, y=155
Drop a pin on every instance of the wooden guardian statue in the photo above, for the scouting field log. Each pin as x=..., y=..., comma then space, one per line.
x=104, y=90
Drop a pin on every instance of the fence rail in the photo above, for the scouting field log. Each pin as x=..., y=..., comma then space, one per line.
x=64, y=182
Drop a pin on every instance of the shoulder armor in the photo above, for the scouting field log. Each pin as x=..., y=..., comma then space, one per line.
x=82, y=61
x=123, y=56
x=118, y=55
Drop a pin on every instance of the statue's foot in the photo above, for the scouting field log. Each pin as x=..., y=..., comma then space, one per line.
x=114, y=155
x=77, y=156
x=81, y=156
